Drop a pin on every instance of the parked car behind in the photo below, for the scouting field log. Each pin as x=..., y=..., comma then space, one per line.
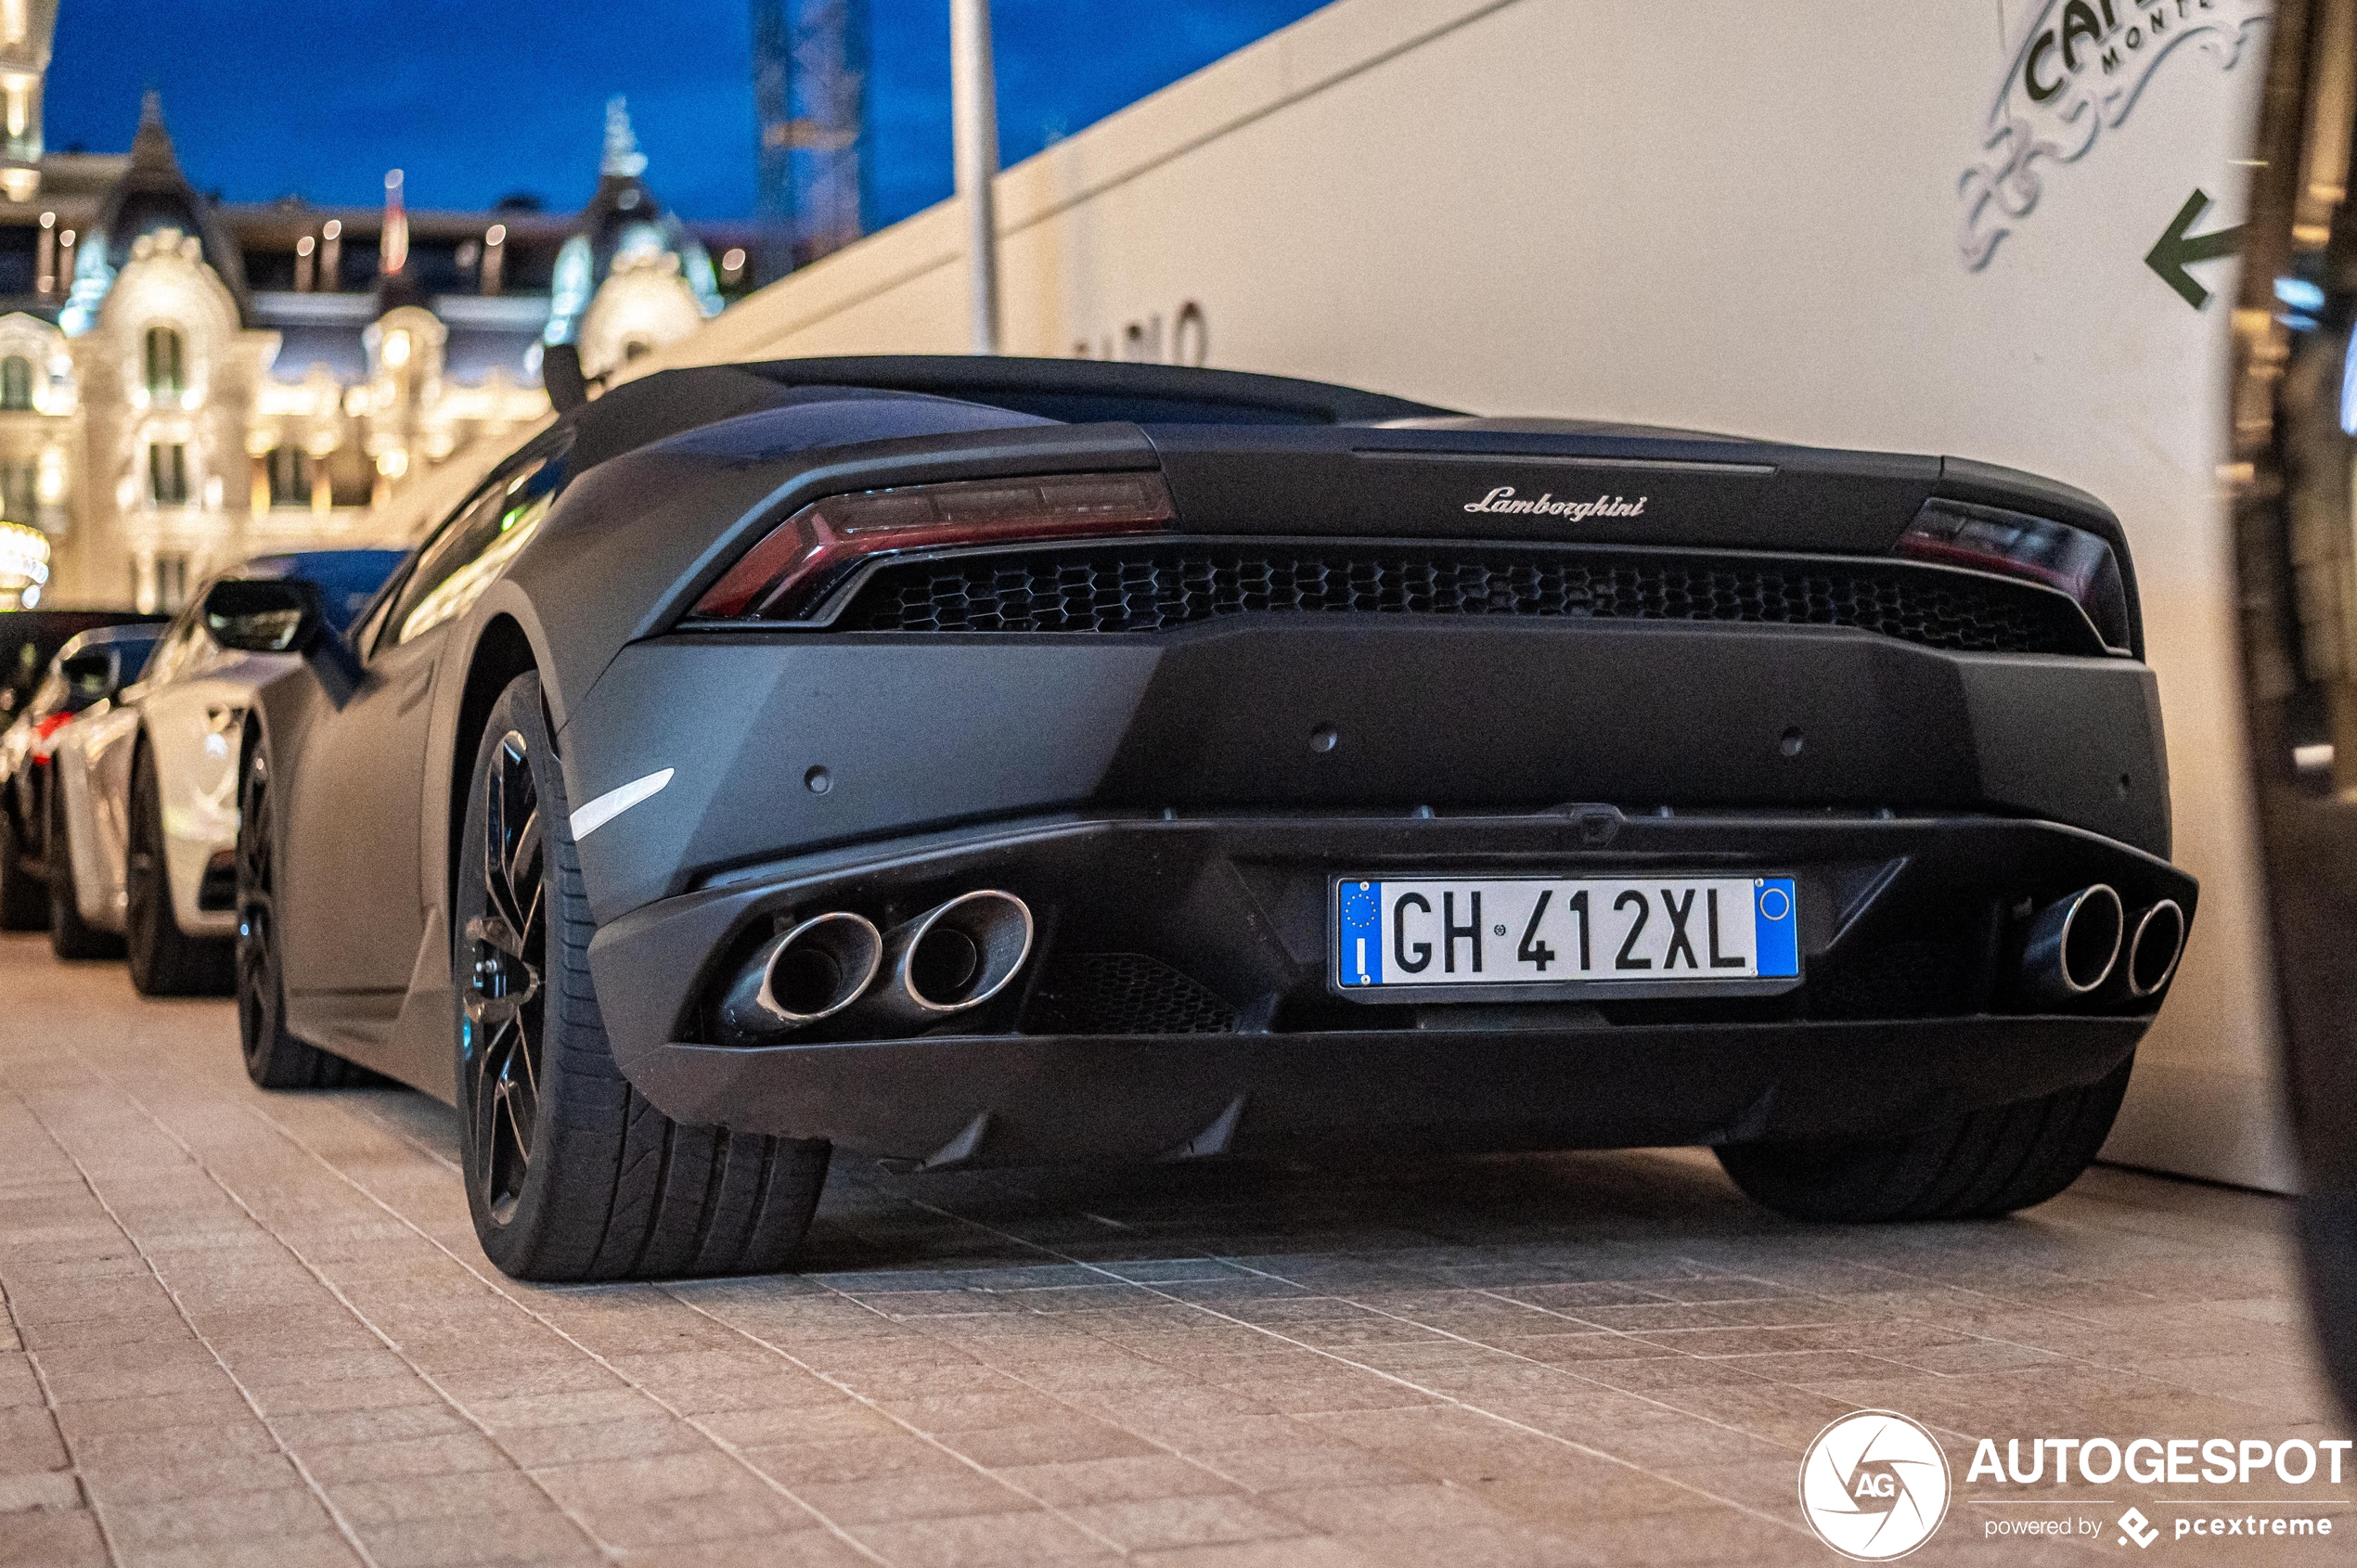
x=147, y=792
x=84, y=675
x=30, y=638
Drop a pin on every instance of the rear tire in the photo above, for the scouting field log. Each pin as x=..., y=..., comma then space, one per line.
x=24, y=902
x=571, y=1174
x=274, y=1059
x=1978, y=1165
x=70, y=935
x=164, y=961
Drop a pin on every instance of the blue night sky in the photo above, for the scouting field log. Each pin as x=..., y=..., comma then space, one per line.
x=474, y=101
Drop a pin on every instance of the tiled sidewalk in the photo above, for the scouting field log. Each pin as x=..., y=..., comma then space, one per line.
x=247, y=1329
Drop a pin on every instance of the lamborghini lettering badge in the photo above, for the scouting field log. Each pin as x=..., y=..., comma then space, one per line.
x=1504, y=499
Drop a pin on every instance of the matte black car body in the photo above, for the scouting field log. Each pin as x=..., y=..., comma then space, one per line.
x=1155, y=794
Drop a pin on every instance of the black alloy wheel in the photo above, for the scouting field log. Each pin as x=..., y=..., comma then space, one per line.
x=164, y=960
x=274, y=1059
x=508, y=943
x=571, y=1173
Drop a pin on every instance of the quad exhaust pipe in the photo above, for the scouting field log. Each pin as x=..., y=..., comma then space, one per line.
x=2073, y=943
x=954, y=957
x=2088, y=943
x=2155, y=944
x=813, y=971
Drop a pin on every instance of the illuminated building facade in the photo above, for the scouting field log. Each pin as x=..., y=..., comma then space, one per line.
x=184, y=383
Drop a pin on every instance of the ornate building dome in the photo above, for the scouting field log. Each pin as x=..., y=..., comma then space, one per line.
x=153, y=195
x=626, y=231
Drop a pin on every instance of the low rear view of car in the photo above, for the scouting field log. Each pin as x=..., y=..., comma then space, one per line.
x=1114, y=763
x=1504, y=787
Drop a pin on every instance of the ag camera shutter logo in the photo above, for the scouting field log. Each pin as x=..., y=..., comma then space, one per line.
x=1874, y=1485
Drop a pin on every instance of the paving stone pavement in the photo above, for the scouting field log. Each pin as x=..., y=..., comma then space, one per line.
x=248, y=1328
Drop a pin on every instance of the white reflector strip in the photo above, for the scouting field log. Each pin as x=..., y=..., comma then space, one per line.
x=613, y=802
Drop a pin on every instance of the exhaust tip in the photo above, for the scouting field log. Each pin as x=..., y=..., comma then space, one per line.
x=2073, y=943
x=811, y=972
x=2153, y=951
x=961, y=953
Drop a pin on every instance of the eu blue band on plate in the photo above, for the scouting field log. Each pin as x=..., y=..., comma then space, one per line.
x=1778, y=929
x=1361, y=922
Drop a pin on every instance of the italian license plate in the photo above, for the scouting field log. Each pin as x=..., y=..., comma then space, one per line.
x=1531, y=936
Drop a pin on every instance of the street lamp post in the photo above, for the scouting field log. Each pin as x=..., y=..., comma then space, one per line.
x=975, y=107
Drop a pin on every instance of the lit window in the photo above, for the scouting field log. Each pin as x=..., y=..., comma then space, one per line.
x=168, y=473
x=165, y=376
x=20, y=491
x=289, y=477
x=172, y=582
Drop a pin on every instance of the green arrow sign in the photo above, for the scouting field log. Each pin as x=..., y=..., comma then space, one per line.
x=2179, y=249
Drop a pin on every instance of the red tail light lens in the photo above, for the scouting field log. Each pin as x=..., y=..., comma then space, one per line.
x=792, y=568
x=2036, y=549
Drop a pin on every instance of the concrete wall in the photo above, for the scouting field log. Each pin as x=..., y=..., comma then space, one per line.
x=1710, y=214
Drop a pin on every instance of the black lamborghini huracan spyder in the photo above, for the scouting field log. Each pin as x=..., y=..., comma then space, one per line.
x=980, y=760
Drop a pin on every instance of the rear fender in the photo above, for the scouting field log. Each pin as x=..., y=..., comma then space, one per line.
x=500, y=638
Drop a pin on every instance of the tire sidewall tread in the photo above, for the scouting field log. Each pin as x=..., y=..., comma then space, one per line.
x=1980, y=1165
x=613, y=1188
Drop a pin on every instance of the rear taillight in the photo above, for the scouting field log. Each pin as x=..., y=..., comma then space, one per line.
x=2035, y=550
x=792, y=568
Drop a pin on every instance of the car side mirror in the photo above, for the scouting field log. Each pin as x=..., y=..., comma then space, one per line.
x=282, y=615
x=265, y=615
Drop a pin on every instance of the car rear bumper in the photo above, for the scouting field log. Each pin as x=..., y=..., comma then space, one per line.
x=773, y=741
x=963, y=1101
x=1909, y=928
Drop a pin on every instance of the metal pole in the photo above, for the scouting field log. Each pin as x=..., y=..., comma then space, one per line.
x=975, y=106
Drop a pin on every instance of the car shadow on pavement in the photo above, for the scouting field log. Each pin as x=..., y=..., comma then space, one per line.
x=1497, y=1219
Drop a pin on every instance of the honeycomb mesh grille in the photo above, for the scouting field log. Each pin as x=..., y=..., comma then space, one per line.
x=1154, y=589
x=1122, y=993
